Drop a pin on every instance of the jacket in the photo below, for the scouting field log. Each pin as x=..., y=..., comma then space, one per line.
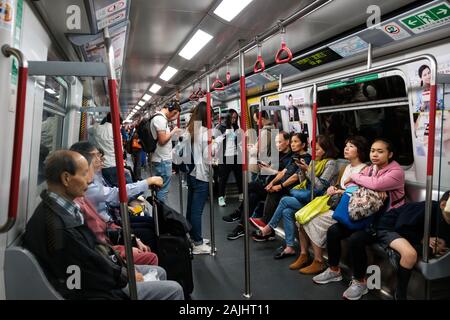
x=390, y=179
x=58, y=241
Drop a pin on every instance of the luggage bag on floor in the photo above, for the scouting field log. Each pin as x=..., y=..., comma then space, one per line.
x=173, y=246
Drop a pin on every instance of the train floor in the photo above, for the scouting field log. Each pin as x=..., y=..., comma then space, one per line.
x=222, y=277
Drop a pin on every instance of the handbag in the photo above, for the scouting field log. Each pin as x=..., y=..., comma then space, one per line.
x=364, y=203
x=341, y=215
x=312, y=209
x=333, y=201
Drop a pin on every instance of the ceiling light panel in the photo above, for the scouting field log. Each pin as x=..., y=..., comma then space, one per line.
x=168, y=73
x=155, y=88
x=195, y=44
x=228, y=9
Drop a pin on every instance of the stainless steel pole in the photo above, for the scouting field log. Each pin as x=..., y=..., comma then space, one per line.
x=211, y=189
x=247, y=294
x=123, y=197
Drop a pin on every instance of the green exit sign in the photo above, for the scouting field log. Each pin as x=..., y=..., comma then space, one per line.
x=424, y=20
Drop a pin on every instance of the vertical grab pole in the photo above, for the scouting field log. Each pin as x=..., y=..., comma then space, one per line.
x=180, y=179
x=247, y=294
x=211, y=189
x=313, y=141
x=18, y=136
x=369, y=57
x=123, y=197
x=430, y=160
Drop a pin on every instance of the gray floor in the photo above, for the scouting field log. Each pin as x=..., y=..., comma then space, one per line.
x=221, y=277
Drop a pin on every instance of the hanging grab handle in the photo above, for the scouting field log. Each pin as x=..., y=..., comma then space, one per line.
x=259, y=66
x=284, y=49
x=217, y=85
x=228, y=74
x=18, y=135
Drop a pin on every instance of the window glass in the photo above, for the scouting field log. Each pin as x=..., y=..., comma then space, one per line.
x=392, y=123
x=52, y=120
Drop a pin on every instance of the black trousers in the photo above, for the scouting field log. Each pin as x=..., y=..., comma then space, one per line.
x=256, y=193
x=358, y=240
x=272, y=201
x=224, y=171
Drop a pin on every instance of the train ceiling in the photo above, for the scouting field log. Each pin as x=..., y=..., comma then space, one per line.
x=151, y=33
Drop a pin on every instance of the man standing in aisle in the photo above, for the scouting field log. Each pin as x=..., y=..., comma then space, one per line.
x=162, y=157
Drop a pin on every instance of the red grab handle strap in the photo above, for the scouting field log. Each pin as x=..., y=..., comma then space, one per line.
x=218, y=85
x=260, y=66
x=283, y=49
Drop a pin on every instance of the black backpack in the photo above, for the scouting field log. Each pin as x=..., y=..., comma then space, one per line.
x=144, y=132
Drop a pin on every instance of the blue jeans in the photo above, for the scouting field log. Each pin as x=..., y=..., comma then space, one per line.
x=197, y=196
x=164, y=170
x=286, y=210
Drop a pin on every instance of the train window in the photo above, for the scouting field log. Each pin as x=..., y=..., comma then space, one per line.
x=53, y=114
x=392, y=123
x=346, y=92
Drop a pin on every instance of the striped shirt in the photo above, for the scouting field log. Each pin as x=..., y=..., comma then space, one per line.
x=71, y=207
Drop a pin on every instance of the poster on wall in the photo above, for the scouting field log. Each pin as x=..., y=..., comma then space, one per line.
x=298, y=111
x=420, y=75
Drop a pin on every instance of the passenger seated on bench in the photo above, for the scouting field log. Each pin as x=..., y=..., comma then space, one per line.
x=284, y=180
x=142, y=254
x=325, y=174
x=401, y=229
x=256, y=189
x=101, y=195
x=60, y=240
x=315, y=231
x=384, y=175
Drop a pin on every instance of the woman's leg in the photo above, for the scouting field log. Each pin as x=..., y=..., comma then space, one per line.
x=224, y=172
x=408, y=258
x=335, y=234
x=200, y=194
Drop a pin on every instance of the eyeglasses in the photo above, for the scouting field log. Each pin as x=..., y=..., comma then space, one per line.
x=96, y=154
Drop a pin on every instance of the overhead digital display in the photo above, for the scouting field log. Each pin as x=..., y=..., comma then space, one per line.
x=315, y=59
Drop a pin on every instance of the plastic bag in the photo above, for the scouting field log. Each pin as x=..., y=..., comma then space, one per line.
x=312, y=209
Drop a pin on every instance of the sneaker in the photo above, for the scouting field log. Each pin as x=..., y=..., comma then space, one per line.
x=327, y=276
x=356, y=290
x=235, y=216
x=241, y=196
x=205, y=241
x=222, y=202
x=236, y=233
x=202, y=249
x=258, y=237
x=257, y=223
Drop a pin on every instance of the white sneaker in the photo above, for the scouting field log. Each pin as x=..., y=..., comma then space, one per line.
x=202, y=249
x=355, y=291
x=222, y=202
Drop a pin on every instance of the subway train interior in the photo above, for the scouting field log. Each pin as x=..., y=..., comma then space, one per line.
x=303, y=149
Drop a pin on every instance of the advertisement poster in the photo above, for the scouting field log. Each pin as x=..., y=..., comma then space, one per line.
x=419, y=75
x=299, y=111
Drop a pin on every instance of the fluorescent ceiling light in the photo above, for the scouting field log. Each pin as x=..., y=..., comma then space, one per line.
x=228, y=9
x=51, y=91
x=168, y=73
x=146, y=97
x=197, y=42
x=141, y=103
x=137, y=108
x=155, y=88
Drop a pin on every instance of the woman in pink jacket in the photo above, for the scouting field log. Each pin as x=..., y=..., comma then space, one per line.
x=384, y=175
